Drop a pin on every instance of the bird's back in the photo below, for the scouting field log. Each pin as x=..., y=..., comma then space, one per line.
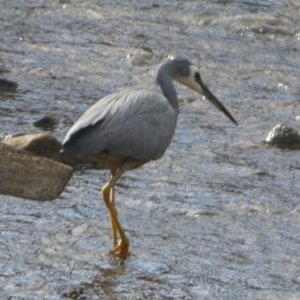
x=135, y=123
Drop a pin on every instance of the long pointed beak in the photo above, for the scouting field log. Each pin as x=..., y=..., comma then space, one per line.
x=213, y=99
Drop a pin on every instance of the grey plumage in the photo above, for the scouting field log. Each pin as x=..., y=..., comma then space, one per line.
x=134, y=123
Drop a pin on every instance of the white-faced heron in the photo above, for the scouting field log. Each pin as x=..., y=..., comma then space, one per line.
x=127, y=129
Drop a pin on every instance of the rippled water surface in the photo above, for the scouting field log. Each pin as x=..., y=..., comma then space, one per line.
x=218, y=217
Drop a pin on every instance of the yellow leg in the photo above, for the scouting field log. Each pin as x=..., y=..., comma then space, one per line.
x=112, y=201
x=120, y=249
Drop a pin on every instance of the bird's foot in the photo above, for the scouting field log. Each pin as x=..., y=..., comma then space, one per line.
x=121, y=250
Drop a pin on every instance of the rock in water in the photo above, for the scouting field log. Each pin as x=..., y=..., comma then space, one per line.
x=284, y=137
x=46, y=122
x=7, y=85
x=46, y=145
x=27, y=175
x=39, y=143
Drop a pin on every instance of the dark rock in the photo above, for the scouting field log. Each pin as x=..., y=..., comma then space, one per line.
x=27, y=175
x=75, y=160
x=284, y=137
x=46, y=122
x=7, y=85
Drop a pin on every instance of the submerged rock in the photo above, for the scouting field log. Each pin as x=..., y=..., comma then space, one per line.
x=46, y=122
x=284, y=137
x=7, y=85
x=27, y=175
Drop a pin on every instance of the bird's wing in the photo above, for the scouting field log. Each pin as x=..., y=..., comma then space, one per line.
x=135, y=123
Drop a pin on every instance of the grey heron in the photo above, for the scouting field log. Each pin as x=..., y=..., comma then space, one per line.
x=127, y=129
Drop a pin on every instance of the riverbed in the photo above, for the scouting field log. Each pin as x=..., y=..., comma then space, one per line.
x=218, y=216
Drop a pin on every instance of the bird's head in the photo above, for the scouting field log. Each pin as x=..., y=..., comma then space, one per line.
x=188, y=74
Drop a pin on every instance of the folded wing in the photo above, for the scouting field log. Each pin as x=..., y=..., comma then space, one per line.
x=135, y=123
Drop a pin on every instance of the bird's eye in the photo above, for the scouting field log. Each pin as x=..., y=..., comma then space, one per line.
x=197, y=76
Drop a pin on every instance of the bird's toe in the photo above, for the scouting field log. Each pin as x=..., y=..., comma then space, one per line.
x=121, y=250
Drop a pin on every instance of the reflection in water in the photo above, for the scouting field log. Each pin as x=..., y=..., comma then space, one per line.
x=218, y=215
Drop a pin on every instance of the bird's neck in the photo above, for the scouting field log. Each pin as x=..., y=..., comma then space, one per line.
x=168, y=89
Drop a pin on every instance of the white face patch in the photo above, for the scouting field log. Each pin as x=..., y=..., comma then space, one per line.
x=190, y=80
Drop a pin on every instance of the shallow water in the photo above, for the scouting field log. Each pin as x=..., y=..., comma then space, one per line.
x=218, y=216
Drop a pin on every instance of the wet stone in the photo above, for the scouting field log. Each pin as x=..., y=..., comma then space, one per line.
x=284, y=137
x=46, y=122
x=7, y=85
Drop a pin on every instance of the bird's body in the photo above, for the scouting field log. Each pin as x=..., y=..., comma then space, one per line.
x=122, y=124
x=127, y=129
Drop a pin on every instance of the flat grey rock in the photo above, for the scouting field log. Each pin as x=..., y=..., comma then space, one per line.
x=27, y=175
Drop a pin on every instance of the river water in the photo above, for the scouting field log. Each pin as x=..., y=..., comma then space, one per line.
x=218, y=217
